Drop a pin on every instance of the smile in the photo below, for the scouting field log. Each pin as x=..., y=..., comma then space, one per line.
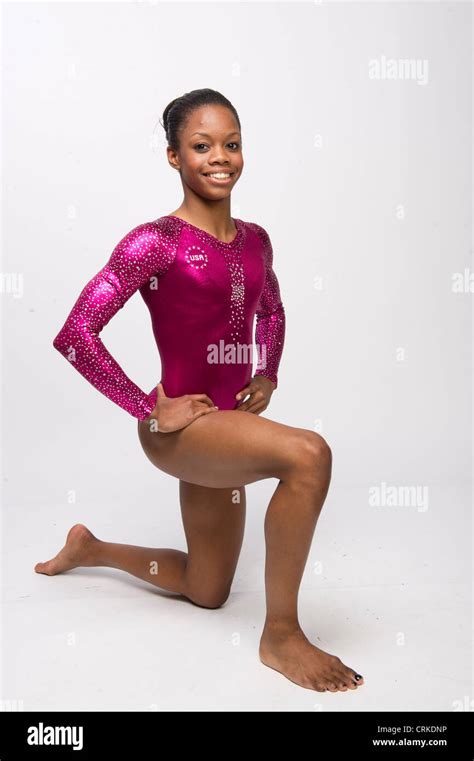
x=219, y=175
x=219, y=178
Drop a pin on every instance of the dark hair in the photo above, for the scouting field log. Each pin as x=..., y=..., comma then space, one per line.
x=177, y=112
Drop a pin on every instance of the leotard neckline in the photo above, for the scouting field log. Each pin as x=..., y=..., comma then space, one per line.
x=226, y=244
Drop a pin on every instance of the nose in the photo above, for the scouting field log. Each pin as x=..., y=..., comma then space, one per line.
x=218, y=157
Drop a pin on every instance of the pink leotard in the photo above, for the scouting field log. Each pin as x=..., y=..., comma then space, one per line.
x=202, y=294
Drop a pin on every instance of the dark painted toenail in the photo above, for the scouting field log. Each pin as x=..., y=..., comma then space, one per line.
x=358, y=676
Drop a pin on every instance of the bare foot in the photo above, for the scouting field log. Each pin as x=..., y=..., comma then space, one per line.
x=293, y=655
x=78, y=551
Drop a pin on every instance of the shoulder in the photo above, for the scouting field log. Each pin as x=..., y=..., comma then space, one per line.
x=150, y=235
x=261, y=234
x=153, y=242
x=257, y=230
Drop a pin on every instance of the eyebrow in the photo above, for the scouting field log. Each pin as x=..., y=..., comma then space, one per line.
x=206, y=135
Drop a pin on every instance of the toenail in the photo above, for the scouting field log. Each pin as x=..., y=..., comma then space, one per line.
x=358, y=676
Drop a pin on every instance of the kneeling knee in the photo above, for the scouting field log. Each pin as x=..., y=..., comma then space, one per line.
x=209, y=599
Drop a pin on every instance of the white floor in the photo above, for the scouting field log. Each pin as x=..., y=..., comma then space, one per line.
x=387, y=590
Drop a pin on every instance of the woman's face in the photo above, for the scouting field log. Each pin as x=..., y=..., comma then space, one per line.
x=210, y=143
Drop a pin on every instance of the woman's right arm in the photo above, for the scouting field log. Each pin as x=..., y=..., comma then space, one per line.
x=145, y=252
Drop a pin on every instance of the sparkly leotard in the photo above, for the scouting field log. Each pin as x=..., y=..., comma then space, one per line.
x=202, y=294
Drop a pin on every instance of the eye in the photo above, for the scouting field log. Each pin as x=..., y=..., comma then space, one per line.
x=198, y=146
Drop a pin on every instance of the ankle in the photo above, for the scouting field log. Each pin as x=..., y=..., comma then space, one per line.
x=95, y=553
x=278, y=626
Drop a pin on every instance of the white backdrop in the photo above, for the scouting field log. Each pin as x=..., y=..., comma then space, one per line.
x=364, y=185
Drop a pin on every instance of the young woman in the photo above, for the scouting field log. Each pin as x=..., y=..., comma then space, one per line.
x=204, y=276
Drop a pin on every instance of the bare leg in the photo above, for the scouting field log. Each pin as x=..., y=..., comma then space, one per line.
x=83, y=549
x=213, y=520
x=289, y=527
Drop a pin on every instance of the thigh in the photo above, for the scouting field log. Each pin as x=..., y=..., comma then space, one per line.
x=225, y=449
x=214, y=523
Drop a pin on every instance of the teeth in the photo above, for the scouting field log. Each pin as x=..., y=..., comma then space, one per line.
x=219, y=175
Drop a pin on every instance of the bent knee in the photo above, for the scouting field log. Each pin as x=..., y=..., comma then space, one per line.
x=318, y=447
x=209, y=598
x=314, y=455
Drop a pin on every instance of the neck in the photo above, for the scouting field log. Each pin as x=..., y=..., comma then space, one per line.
x=212, y=216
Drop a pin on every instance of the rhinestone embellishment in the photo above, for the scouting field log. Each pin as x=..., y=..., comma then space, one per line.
x=232, y=256
x=196, y=257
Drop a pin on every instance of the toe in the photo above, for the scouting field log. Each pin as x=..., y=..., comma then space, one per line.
x=349, y=677
x=319, y=686
x=49, y=567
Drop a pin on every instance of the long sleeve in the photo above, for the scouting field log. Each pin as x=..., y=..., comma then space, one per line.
x=145, y=252
x=270, y=323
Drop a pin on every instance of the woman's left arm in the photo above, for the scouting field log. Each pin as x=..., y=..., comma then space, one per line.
x=269, y=336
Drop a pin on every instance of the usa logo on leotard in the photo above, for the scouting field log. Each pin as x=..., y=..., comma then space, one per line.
x=196, y=257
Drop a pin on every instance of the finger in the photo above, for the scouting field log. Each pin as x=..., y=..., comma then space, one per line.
x=243, y=405
x=243, y=392
x=253, y=394
x=257, y=404
x=205, y=411
x=197, y=406
x=258, y=397
x=202, y=398
x=161, y=391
